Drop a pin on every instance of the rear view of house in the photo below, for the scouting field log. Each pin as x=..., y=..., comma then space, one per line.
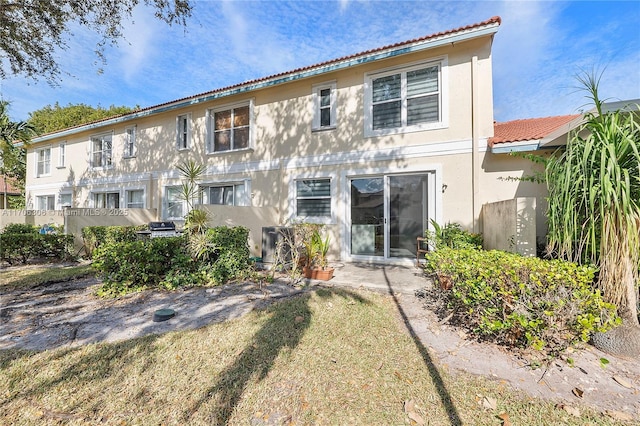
x=373, y=145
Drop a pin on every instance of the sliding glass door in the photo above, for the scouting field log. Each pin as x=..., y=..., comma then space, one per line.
x=388, y=213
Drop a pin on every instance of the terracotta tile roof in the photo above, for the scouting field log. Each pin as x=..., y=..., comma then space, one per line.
x=494, y=20
x=527, y=129
x=11, y=189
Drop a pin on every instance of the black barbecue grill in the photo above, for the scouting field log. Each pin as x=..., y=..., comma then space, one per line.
x=159, y=230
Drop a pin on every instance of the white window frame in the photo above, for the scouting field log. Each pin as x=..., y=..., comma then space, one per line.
x=130, y=142
x=46, y=162
x=62, y=155
x=443, y=99
x=241, y=197
x=317, y=107
x=62, y=194
x=165, y=203
x=126, y=198
x=105, y=164
x=211, y=113
x=182, y=121
x=50, y=201
x=105, y=192
x=293, y=199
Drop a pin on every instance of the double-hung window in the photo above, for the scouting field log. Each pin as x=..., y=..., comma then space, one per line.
x=62, y=154
x=183, y=131
x=46, y=202
x=230, y=128
x=174, y=204
x=404, y=100
x=106, y=200
x=229, y=194
x=101, y=148
x=313, y=198
x=135, y=199
x=43, y=166
x=324, y=106
x=130, y=141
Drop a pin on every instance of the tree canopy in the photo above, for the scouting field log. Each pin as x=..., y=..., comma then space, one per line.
x=13, y=164
x=32, y=30
x=52, y=118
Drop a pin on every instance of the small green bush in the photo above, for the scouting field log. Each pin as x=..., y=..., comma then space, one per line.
x=20, y=247
x=452, y=236
x=136, y=265
x=129, y=266
x=520, y=301
x=93, y=236
x=20, y=228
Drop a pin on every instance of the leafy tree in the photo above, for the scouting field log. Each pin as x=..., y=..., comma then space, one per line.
x=13, y=164
x=594, y=200
x=32, y=30
x=52, y=118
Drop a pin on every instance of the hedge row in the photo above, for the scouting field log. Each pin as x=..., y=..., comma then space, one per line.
x=520, y=301
x=20, y=242
x=93, y=236
x=128, y=265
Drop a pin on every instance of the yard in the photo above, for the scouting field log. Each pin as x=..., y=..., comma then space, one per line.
x=323, y=356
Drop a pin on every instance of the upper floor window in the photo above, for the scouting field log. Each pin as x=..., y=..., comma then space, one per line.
x=324, y=106
x=313, y=198
x=62, y=154
x=229, y=194
x=106, y=200
x=101, y=150
x=231, y=128
x=183, y=131
x=43, y=166
x=404, y=100
x=130, y=141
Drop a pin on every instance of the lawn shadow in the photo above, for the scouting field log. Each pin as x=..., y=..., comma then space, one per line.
x=436, y=377
x=287, y=324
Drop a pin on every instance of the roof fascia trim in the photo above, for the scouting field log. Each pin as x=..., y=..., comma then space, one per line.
x=464, y=35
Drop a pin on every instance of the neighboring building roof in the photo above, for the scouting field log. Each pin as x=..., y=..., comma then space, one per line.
x=10, y=188
x=530, y=129
x=484, y=28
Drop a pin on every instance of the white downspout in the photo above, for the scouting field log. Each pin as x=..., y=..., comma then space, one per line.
x=475, y=151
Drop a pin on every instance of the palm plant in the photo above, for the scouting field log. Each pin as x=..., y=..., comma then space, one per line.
x=191, y=172
x=594, y=200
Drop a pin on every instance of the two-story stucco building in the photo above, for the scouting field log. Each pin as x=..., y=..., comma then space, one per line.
x=374, y=145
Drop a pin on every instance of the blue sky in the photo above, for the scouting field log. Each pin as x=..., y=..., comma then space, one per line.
x=540, y=47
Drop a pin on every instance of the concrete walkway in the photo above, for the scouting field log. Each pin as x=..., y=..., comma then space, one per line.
x=379, y=277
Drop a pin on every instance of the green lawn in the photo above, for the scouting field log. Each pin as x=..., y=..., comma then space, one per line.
x=22, y=278
x=328, y=357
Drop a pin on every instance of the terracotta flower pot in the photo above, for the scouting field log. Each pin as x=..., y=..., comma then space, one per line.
x=318, y=273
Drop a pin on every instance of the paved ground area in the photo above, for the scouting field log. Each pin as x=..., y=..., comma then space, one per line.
x=68, y=314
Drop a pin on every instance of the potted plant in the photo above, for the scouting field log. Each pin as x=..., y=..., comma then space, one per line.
x=315, y=250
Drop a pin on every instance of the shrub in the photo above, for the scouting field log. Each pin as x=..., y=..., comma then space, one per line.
x=229, y=253
x=452, y=236
x=136, y=265
x=520, y=301
x=165, y=262
x=93, y=236
x=20, y=228
x=20, y=247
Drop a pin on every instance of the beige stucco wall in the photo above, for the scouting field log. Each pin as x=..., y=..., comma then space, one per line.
x=510, y=225
x=286, y=148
